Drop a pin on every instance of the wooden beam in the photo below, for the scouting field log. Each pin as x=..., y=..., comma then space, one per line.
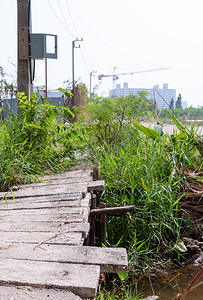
x=112, y=211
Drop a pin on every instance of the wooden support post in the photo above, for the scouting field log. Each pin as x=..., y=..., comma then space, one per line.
x=93, y=220
x=102, y=223
x=95, y=173
x=23, y=47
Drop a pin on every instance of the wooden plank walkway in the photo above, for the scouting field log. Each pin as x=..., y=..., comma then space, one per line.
x=41, y=240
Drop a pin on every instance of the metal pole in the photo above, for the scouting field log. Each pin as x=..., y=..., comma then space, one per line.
x=46, y=78
x=73, y=59
x=90, y=83
x=73, y=75
x=91, y=75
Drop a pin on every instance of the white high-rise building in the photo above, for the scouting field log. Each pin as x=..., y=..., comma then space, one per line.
x=162, y=96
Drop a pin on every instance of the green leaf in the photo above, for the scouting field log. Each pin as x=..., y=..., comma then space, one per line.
x=181, y=136
x=13, y=197
x=148, y=131
x=176, y=122
x=66, y=93
x=122, y=276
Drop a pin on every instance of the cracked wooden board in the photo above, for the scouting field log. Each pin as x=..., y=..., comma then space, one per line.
x=80, y=279
x=29, y=293
x=46, y=191
x=63, y=181
x=49, y=198
x=8, y=239
x=70, y=174
x=110, y=260
x=58, y=189
x=45, y=227
x=40, y=205
x=55, y=211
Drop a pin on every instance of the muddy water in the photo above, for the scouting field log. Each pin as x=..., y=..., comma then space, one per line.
x=168, y=284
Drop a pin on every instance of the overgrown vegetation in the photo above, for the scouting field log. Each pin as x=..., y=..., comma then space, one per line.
x=185, y=114
x=34, y=142
x=140, y=166
x=144, y=169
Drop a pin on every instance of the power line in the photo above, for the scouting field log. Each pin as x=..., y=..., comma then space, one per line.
x=59, y=19
x=171, y=109
x=83, y=58
x=165, y=102
x=85, y=50
x=72, y=18
x=65, y=19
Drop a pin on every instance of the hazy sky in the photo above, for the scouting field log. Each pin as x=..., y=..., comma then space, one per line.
x=131, y=35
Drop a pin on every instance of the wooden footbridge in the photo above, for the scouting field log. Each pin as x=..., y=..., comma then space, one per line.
x=42, y=233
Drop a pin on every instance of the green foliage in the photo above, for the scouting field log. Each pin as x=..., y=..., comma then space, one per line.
x=171, y=105
x=123, y=291
x=179, y=102
x=6, y=88
x=186, y=114
x=66, y=93
x=148, y=131
x=141, y=168
x=34, y=142
x=84, y=93
x=113, y=116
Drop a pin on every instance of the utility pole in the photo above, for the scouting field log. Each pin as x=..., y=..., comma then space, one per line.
x=24, y=24
x=91, y=75
x=73, y=58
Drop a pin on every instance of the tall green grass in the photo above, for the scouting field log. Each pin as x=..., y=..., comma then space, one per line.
x=34, y=142
x=145, y=170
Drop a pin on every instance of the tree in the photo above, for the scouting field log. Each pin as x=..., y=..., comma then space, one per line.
x=7, y=89
x=179, y=102
x=171, y=105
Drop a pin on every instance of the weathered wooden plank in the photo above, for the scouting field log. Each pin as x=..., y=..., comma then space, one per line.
x=96, y=185
x=60, y=181
x=70, y=174
x=67, y=238
x=47, y=191
x=110, y=260
x=79, y=279
x=86, y=202
x=41, y=217
x=52, y=212
x=28, y=293
x=52, y=227
x=36, y=205
x=91, y=185
x=67, y=197
x=49, y=219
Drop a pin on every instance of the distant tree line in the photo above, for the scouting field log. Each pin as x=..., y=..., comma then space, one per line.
x=186, y=114
x=177, y=104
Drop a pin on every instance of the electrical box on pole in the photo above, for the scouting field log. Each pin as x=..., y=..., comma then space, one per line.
x=43, y=46
x=31, y=47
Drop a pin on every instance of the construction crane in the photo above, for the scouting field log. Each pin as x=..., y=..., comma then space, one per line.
x=116, y=76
